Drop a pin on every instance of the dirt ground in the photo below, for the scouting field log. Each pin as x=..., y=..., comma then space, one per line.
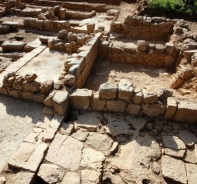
x=17, y=117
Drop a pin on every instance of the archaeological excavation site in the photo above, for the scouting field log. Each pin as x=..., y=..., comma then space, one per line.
x=98, y=92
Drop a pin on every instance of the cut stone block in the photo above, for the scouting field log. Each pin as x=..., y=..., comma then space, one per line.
x=108, y=91
x=80, y=98
x=133, y=109
x=13, y=46
x=61, y=102
x=51, y=173
x=116, y=106
x=171, y=108
x=125, y=91
x=150, y=97
x=97, y=104
x=187, y=112
x=153, y=110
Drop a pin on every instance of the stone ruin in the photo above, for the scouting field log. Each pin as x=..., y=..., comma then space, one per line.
x=112, y=130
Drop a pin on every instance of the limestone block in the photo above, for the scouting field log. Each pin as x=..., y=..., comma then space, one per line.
x=186, y=112
x=33, y=161
x=69, y=80
x=62, y=34
x=171, y=108
x=108, y=91
x=97, y=104
x=170, y=48
x=169, y=61
x=23, y=177
x=116, y=106
x=3, y=91
x=142, y=45
x=46, y=86
x=13, y=46
x=30, y=77
x=159, y=48
x=158, y=19
x=51, y=173
x=62, y=13
x=125, y=91
x=31, y=86
x=138, y=97
x=32, y=22
x=133, y=109
x=13, y=93
x=27, y=95
x=153, y=110
x=90, y=27
x=80, y=98
x=39, y=24
x=49, y=100
x=61, y=102
x=39, y=98
x=174, y=169
x=150, y=97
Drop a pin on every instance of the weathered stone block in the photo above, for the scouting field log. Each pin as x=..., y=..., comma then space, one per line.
x=153, y=110
x=80, y=98
x=32, y=86
x=142, y=45
x=13, y=46
x=61, y=102
x=97, y=104
x=171, y=108
x=116, y=106
x=150, y=97
x=186, y=112
x=133, y=109
x=108, y=91
x=125, y=91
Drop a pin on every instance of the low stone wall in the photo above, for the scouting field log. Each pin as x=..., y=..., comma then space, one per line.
x=46, y=25
x=126, y=98
x=80, y=65
x=143, y=53
x=112, y=2
x=145, y=28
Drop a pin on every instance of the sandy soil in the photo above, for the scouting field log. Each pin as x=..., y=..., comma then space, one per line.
x=105, y=71
x=17, y=118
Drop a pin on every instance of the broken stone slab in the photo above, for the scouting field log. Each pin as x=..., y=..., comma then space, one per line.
x=89, y=121
x=101, y=142
x=186, y=112
x=31, y=137
x=190, y=156
x=80, y=98
x=66, y=129
x=92, y=159
x=125, y=90
x=13, y=46
x=90, y=176
x=174, y=169
x=187, y=137
x=61, y=102
x=108, y=91
x=34, y=160
x=51, y=173
x=174, y=152
x=80, y=135
x=173, y=142
x=171, y=108
x=71, y=177
x=130, y=158
x=23, y=177
x=117, y=126
x=191, y=173
x=60, y=150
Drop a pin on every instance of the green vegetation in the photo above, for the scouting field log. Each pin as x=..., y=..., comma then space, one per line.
x=187, y=6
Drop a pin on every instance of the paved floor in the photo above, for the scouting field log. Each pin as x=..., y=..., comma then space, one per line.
x=17, y=118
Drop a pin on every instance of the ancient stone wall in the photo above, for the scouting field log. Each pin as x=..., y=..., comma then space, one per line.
x=146, y=28
x=46, y=25
x=143, y=53
x=125, y=98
